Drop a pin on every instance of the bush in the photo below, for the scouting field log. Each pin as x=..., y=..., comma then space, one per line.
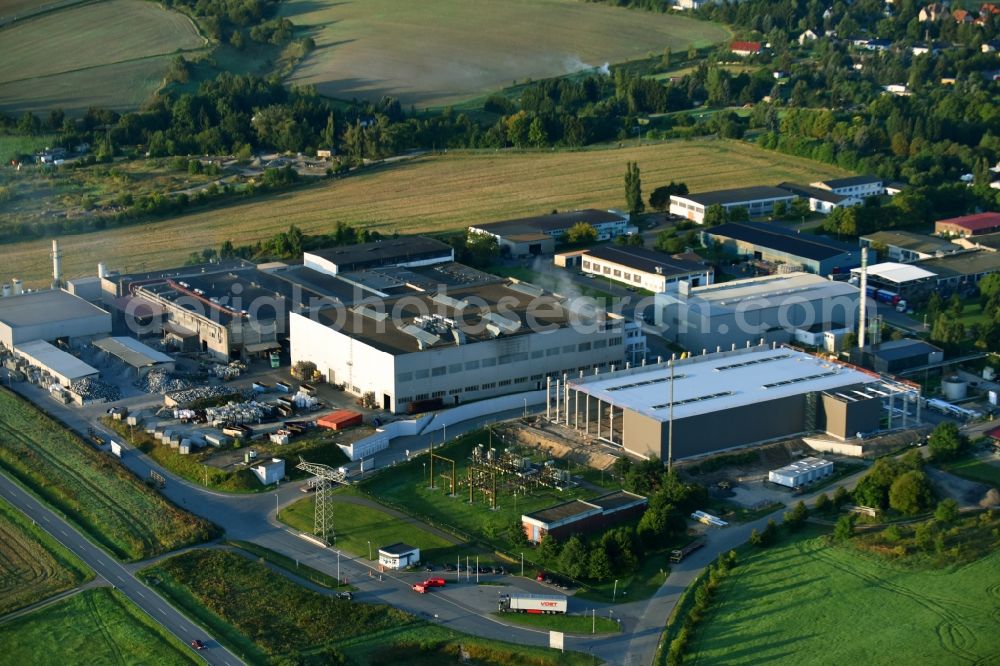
x=795, y=518
x=844, y=529
x=823, y=503
x=946, y=511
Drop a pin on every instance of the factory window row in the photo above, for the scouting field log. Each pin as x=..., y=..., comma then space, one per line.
x=614, y=341
x=583, y=346
x=421, y=396
x=438, y=394
x=600, y=344
x=504, y=382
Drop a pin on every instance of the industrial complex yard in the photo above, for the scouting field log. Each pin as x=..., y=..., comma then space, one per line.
x=524, y=333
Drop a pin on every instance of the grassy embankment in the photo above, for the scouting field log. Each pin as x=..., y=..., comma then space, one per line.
x=33, y=565
x=91, y=489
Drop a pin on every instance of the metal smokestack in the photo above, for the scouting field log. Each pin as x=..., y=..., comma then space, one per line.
x=863, y=285
x=56, y=265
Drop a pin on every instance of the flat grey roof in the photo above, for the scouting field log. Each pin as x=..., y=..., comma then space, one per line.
x=780, y=239
x=563, y=511
x=751, y=290
x=965, y=263
x=502, y=305
x=617, y=500
x=50, y=357
x=131, y=351
x=380, y=253
x=642, y=259
x=737, y=195
x=912, y=241
x=717, y=382
x=851, y=181
x=541, y=224
x=397, y=548
x=43, y=307
x=814, y=192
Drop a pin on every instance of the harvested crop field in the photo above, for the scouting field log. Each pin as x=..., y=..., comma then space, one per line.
x=438, y=52
x=428, y=194
x=91, y=489
x=111, y=54
x=32, y=565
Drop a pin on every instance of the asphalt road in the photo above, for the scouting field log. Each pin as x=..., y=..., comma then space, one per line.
x=116, y=574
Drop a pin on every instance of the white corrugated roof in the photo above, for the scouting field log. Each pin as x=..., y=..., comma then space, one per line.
x=716, y=382
x=896, y=272
x=42, y=354
x=132, y=351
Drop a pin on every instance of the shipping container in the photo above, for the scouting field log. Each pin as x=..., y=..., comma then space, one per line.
x=340, y=419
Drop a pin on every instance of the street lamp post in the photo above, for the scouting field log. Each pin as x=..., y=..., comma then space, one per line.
x=614, y=593
x=425, y=472
x=522, y=565
x=369, y=551
x=338, y=567
x=593, y=620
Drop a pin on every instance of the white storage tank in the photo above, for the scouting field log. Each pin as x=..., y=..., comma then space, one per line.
x=954, y=388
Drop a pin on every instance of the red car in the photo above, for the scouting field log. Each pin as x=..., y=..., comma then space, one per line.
x=198, y=645
x=434, y=582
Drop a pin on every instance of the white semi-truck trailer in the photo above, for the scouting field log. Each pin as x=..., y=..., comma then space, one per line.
x=532, y=603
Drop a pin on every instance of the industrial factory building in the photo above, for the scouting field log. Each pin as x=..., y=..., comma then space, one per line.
x=743, y=312
x=713, y=402
x=776, y=244
x=643, y=268
x=402, y=251
x=538, y=235
x=577, y=516
x=435, y=349
x=757, y=200
x=50, y=315
x=63, y=367
x=134, y=354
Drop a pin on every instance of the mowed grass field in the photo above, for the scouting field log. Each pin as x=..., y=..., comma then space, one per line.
x=356, y=525
x=436, y=52
x=91, y=489
x=804, y=602
x=429, y=194
x=110, y=54
x=33, y=566
x=98, y=626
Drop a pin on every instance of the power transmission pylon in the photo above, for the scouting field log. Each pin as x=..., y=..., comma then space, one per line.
x=325, y=478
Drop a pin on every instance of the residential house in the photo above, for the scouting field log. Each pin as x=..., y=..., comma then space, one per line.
x=807, y=36
x=744, y=49
x=820, y=200
x=933, y=13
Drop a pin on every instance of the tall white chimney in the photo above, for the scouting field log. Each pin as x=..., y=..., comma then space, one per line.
x=56, y=265
x=863, y=284
x=18, y=286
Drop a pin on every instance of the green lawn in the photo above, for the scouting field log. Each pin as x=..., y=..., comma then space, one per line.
x=98, y=626
x=803, y=602
x=972, y=313
x=356, y=525
x=573, y=624
x=972, y=468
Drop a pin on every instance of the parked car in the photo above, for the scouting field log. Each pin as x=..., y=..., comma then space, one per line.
x=429, y=567
x=449, y=567
x=345, y=595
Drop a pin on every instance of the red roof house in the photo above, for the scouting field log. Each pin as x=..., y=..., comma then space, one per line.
x=745, y=48
x=969, y=225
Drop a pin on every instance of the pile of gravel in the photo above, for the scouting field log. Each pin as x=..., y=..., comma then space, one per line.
x=160, y=381
x=94, y=389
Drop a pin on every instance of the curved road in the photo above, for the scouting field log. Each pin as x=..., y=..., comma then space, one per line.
x=116, y=574
x=463, y=607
